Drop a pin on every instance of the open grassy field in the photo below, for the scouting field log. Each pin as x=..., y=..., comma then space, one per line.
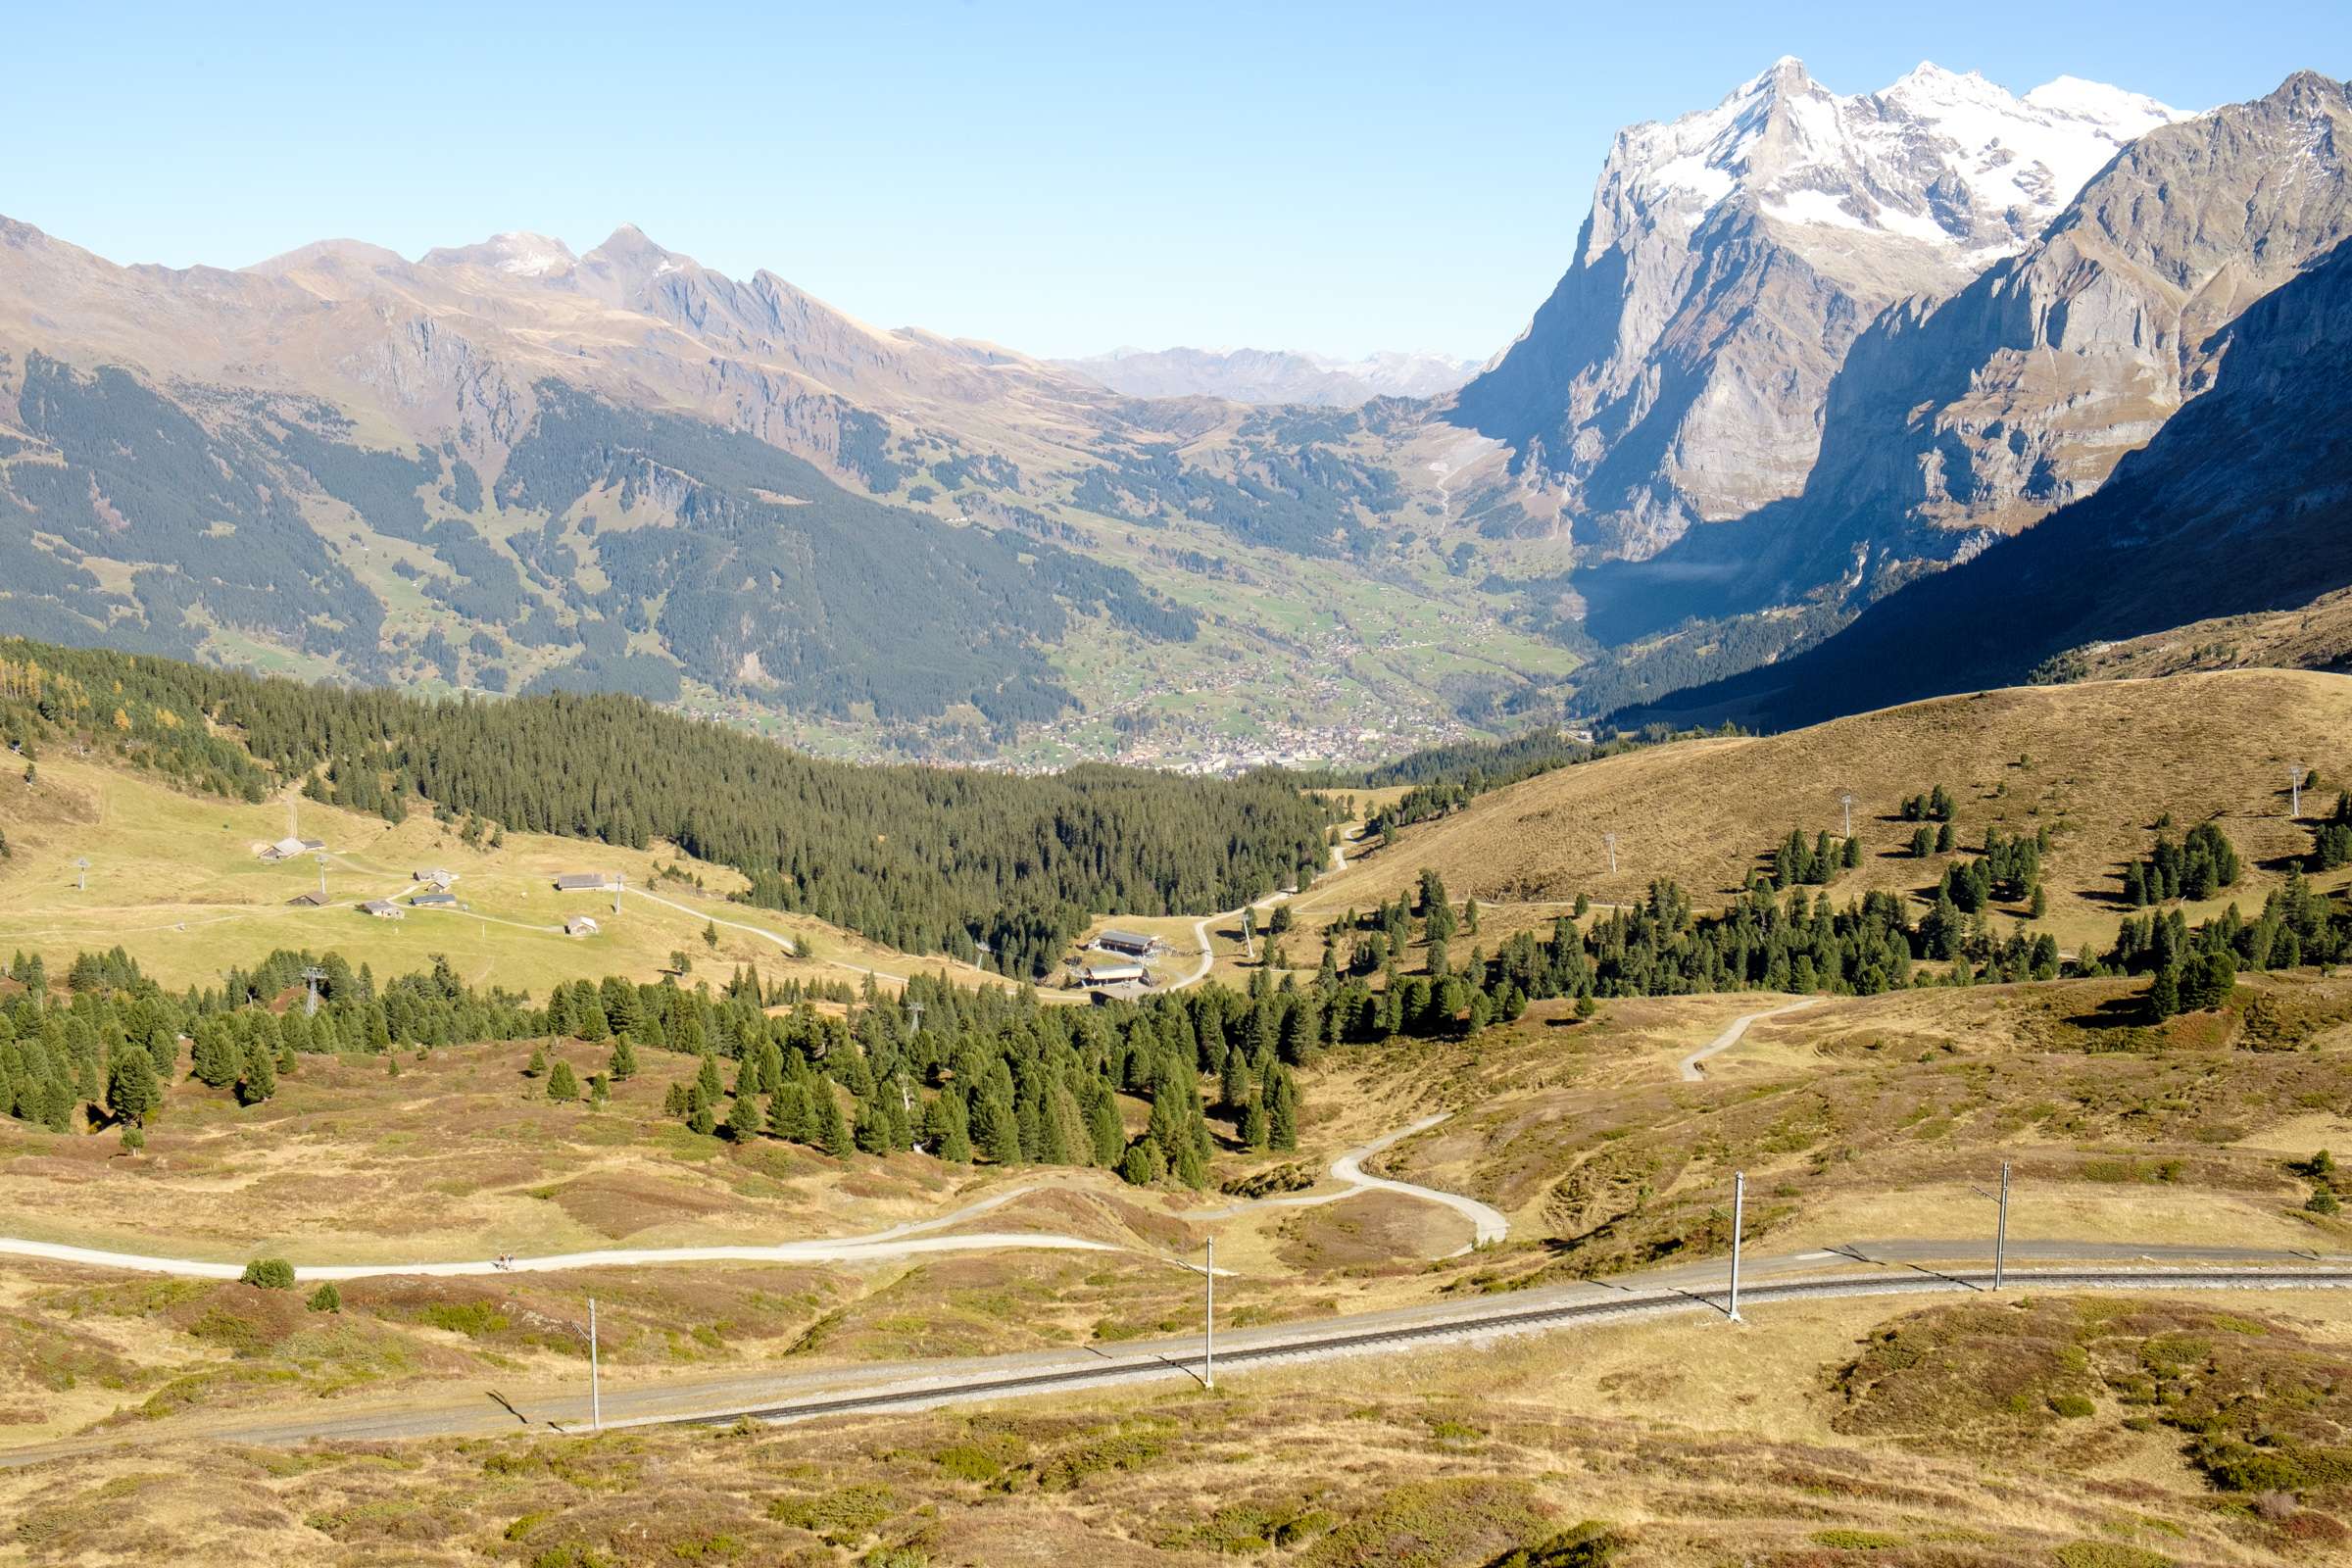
x=2073, y=1432
x=174, y=877
x=2097, y=764
x=1880, y=1117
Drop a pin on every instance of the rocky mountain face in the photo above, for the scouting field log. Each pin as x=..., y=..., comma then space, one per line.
x=1954, y=422
x=1273, y=376
x=1678, y=373
x=2240, y=502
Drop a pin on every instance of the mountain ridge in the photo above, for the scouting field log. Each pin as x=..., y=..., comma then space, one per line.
x=1274, y=376
x=1676, y=374
x=1959, y=420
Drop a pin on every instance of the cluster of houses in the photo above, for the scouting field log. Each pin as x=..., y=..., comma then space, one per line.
x=1123, y=976
x=432, y=890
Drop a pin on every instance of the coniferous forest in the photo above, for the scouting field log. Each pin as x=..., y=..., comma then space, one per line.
x=989, y=1074
x=984, y=866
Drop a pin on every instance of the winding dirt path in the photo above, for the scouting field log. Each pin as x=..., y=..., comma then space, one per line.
x=898, y=1241
x=1732, y=1033
x=1487, y=1224
x=1208, y=950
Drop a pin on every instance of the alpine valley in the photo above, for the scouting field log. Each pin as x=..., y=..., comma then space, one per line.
x=1811, y=351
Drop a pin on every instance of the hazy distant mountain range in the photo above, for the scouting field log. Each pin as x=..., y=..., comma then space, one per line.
x=1810, y=349
x=1274, y=376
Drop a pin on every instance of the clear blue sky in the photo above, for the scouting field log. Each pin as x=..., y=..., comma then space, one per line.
x=1059, y=178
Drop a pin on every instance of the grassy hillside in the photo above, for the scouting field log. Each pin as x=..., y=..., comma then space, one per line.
x=2073, y=1432
x=1877, y=1116
x=2097, y=764
x=175, y=879
x=2313, y=636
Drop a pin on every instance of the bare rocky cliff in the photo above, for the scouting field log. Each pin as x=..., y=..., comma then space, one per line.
x=1678, y=373
x=1953, y=424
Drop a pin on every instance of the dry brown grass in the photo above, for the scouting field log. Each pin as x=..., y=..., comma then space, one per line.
x=458, y=1156
x=1688, y=1443
x=1872, y=1118
x=2315, y=636
x=2096, y=764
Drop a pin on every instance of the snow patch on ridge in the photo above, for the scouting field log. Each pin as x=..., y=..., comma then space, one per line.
x=1943, y=158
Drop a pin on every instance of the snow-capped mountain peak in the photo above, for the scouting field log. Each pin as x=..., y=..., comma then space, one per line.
x=517, y=253
x=1942, y=158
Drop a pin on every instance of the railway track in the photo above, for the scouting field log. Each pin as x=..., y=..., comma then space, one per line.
x=1503, y=1322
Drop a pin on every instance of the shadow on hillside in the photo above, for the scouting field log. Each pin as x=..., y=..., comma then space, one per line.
x=2128, y=1011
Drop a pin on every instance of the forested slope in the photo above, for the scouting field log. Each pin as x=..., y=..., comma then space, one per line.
x=926, y=859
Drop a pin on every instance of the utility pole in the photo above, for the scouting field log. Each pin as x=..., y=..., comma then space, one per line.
x=596, y=1392
x=1738, y=1219
x=2001, y=1233
x=1610, y=839
x=81, y=873
x=1845, y=799
x=618, y=883
x=2295, y=776
x=1208, y=1321
x=312, y=975
x=322, y=873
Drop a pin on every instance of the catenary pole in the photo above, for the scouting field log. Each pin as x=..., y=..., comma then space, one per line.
x=1208, y=1321
x=1738, y=1217
x=2000, y=1234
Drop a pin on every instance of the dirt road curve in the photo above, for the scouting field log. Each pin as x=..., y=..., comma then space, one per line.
x=1731, y=1036
x=1489, y=1224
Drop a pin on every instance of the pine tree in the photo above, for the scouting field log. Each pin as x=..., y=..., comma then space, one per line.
x=833, y=1129
x=260, y=1079
x=562, y=1083
x=622, y=1065
x=1233, y=1081
x=536, y=1067
x=131, y=1089
x=871, y=1135
x=698, y=1116
x=1103, y=1128
x=948, y=1131
x=1256, y=1126
x=745, y=1119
